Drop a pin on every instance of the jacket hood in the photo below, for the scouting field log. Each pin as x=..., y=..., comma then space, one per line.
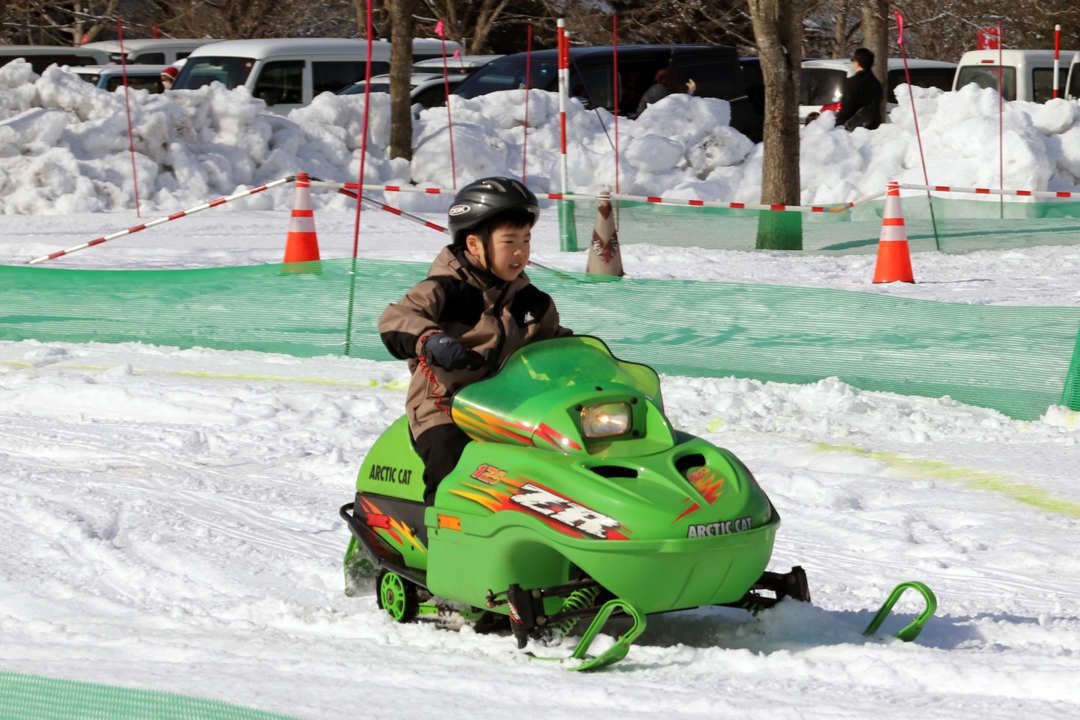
x=456, y=262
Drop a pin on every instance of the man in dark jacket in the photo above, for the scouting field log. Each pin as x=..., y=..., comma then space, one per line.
x=861, y=103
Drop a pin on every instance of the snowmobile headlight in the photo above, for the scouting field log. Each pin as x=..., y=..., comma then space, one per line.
x=605, y=420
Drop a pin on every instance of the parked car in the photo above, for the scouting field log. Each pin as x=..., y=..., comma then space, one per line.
x=42, y=56
x=1072, y=85
x=285, y=73
x=1026, y=74
x=428, y=86
x=822, y=82
x=430, y=48
x=715, y=70
x=110, y=77
x=754, y=86
x=151, y=51
x=463, y=64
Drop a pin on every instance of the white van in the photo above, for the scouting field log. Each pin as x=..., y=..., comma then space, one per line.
x=42, y=56
x=1072, y=87
x=285, y=73
x=151, y=51
x=823, y=81
x=1027, y=74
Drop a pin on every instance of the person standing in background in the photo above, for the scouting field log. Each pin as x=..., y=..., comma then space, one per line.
x=861, y=102
x=664, y=85
x=168, y=77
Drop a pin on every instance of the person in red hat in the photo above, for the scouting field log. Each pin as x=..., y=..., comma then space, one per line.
x=168, y=77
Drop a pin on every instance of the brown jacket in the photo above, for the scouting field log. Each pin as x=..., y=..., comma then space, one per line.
x=478, y=310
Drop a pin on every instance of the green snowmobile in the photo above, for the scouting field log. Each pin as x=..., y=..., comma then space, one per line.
x=579, y=501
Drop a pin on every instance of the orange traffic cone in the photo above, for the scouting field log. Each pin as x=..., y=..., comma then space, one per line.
x=302, y=245
x=604, y=255
x=893, y=259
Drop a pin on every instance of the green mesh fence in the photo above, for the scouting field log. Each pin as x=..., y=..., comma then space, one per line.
x=1018, y=360
x=30, y=697
x=961, y=225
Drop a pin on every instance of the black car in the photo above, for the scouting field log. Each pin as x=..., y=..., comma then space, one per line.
x=715, y=70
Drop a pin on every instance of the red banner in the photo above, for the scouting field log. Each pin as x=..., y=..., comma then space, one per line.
x=989, y=39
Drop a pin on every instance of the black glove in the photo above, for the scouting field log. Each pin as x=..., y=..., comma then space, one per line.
x=449, y=355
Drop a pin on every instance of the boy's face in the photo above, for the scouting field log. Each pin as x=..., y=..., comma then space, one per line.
x=509, y=251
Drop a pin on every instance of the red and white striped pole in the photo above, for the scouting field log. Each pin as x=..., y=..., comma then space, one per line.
x=394, y=211
x=1057, y=57
x=159, y=221
x=127, y=106
x=363, y=140
x=1001, y=117
x=615, y=86
x=525, y=138
x=441, y=32
x=564, y=82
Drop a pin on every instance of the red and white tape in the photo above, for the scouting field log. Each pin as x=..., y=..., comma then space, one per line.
x=159, y=221
x=387, y=208
x=830, y=208
x=991, y=191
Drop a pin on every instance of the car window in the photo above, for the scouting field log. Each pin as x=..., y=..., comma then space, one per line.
x=1074, y=82
x=432, y=96
x=986, y=76
x=135, y=82
x=92, y=79
x=281, y=81
x=333, y=76
x=596, y=83
x=921, y=77
x=157, y=58
x=821, y=86
x=714, y=77
x=754, y=83
x=636, y=76
x=40, y=62
x=1042, y=83
x=509, y=75
x=183, y=54
x=229, y=71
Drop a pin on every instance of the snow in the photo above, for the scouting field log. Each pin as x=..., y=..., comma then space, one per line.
x=170, y=516
x=64, y=146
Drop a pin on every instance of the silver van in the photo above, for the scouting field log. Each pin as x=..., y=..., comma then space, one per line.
x=285, y=73
x=1026, y=74
x=42, y=56
x=151, y=51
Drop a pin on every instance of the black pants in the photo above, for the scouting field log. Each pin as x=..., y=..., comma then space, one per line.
x=440, y=448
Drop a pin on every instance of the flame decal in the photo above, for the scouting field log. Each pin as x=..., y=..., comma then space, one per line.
x=707, y=482
x=560, y=441
x=485, y=427
x=395, y=529
x=557, y=511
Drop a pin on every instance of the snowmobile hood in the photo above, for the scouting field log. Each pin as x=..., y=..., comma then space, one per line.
x=551, y=395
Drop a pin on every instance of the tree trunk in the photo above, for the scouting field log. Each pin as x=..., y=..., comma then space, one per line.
x=401, y=19
x=839, y=47
x=876, y=40
x=778, y=30
x=489, y=13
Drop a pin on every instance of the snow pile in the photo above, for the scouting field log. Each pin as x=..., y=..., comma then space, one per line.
x=960, y=141
x=64, y=146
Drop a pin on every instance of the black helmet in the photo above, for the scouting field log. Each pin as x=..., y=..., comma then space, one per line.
x=481, y=200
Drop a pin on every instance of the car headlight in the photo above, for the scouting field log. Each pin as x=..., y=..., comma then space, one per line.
x=605, y=420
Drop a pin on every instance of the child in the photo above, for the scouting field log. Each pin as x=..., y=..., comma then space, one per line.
x=475, y=308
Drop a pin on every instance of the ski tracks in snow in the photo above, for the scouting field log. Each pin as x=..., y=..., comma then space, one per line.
x=168, y=524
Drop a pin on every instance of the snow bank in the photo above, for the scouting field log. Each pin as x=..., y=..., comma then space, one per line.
x=64, y=146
